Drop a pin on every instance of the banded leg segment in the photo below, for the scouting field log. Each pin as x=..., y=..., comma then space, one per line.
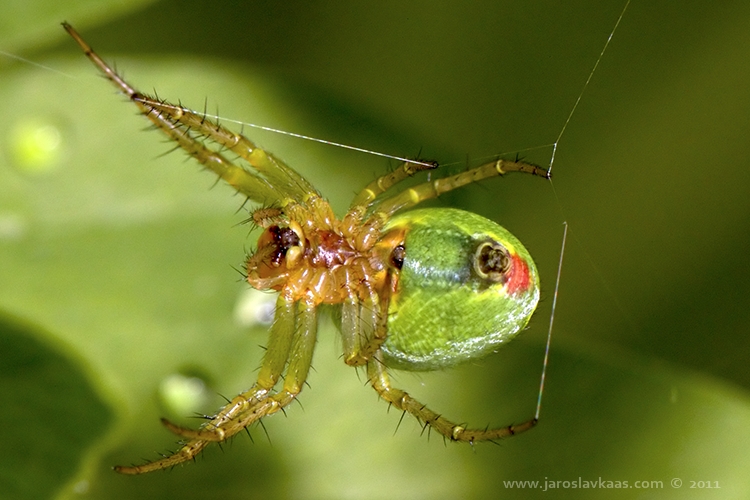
x=433, y=189
x=385, y=182
x=380, y=381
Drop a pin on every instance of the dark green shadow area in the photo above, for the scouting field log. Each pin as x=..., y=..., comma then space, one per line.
x=47, y=394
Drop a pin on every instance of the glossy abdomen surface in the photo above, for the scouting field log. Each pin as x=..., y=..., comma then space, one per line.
x=466, y=287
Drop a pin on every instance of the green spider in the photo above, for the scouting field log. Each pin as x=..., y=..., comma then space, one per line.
x=419, y=290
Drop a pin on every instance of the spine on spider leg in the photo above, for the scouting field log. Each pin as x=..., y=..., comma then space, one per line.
x=378, y=378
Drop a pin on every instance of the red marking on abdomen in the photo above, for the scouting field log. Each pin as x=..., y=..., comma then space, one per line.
x=518, y=281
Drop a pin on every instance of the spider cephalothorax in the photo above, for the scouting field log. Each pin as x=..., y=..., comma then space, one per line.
x=416, y=290
x=313, y=256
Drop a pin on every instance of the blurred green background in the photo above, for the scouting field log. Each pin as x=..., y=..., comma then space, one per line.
x=116, y=263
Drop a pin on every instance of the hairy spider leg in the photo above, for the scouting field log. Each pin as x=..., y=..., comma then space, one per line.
x=378, y=377
x=279, y=184
x=278, y=175
x=359, y=319
x=385, y=182
x=291, y=344
x=432, y=189
x=364, y=324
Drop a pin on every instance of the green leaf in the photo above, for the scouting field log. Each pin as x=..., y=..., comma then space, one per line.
x=51, y=413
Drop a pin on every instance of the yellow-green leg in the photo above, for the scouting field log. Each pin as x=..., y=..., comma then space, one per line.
x=291, y=344
x=385, y=182
x=378, y=377
x=433, y=189
x=190, y=130
x=364, y=326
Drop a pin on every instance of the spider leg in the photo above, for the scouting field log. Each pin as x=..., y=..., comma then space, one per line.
x=378, y=376
x=278, y=174
x=433, y=189
x=351, y=326
x=385, y=182
x=250, y=185
x=291, y=344
x=248, y=407
x=363, y=339
x=277, y=182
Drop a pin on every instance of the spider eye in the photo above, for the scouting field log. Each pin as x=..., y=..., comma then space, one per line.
x=277, y=241
x=491, y=261
x=397, y=256
x=287, y=238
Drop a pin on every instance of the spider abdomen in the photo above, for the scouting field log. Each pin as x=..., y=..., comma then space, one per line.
x=466, y=286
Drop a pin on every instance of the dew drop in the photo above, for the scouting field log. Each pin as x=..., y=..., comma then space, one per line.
x=183, y=395
x=36, y=146
x=254, y=308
